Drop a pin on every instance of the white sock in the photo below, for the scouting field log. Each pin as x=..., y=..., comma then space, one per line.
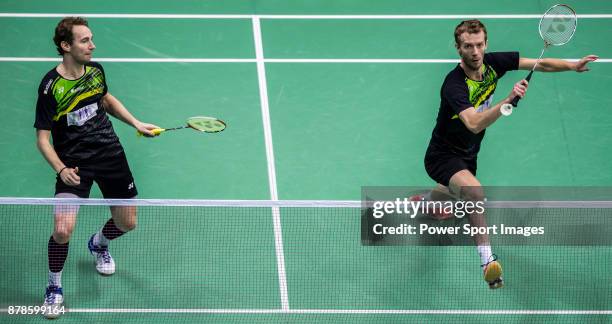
x=55, y=279
x=485, y=253
x=100, y=240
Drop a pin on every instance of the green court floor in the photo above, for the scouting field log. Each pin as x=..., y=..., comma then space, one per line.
x=335, y=127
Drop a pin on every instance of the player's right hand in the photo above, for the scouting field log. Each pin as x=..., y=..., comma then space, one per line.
x=146, y=129
x=70, y=176
x=519, y=90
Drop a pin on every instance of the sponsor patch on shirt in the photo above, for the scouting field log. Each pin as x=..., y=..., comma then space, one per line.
x=81, y=116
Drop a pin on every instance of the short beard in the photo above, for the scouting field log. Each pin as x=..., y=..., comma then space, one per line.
x=471, y=65
x=83, y=62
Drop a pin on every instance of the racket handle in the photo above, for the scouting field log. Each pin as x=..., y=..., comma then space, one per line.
x=517, y=98
x=515, y=101
x=528, y=78
x=155, y=131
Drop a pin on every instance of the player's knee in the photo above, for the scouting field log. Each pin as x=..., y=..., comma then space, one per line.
x=128, y=225
x=62, y=231
x=62, y=235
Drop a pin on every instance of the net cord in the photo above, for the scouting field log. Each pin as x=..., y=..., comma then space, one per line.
x=274, y=203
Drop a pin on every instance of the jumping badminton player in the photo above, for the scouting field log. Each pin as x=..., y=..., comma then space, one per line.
x=466, y=110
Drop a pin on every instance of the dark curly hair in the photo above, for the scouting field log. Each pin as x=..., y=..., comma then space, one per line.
x=63, y=31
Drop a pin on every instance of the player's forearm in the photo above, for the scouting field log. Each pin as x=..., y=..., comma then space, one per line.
x=49, y=153
x=555, y=65
x=486, y=118
x=114, y=107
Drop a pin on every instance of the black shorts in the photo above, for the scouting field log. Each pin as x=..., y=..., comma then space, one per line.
x=441, y=164
x=112, y=175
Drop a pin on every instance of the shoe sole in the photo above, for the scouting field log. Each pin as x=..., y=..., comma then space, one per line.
x=105, y=273
x=497, y=284
x=52, y=316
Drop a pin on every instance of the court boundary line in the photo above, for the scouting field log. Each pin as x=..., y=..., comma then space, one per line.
x=267, y=128
x=248, y=60
x=336, y=311
x=290, y=17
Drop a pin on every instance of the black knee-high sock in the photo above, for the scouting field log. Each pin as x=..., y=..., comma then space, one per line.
x=57, y=254
x=111, y=231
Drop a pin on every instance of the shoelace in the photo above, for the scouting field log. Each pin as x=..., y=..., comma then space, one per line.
x=105, y=256
x=50, y=299
x=102, y=251
x=51, y=296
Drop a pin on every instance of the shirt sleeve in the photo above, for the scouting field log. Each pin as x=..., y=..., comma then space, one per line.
x=44, y=109
x=503, y=62
x=456, y=95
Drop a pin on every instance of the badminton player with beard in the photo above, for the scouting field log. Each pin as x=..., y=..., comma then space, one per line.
x=72, y=107
x=466, y=110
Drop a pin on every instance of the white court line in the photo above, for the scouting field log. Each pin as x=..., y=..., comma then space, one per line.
x=121, y=16
x=435, y=61
x=204, y=16
x=338, y=311
x=230, y=60
x=362, y=60
x=134, y=60
x=265, y=115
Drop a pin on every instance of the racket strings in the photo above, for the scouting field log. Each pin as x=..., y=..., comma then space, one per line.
x=558, y=25
x=206, y=124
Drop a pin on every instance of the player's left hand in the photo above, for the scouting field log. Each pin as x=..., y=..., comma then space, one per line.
x=581, y=66
x=145, y=128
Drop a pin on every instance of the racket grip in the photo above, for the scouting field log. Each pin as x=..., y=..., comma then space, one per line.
x=528, y=78
x=155, y=131
x=516, y=99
